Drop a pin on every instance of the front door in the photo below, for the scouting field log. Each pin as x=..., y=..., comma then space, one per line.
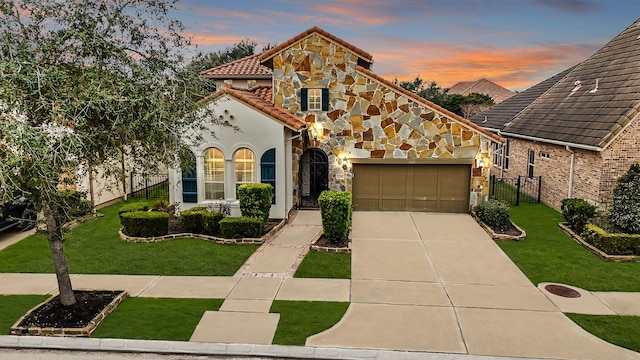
x=314, y=177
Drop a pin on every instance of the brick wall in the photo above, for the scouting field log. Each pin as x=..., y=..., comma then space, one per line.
x=618, y=157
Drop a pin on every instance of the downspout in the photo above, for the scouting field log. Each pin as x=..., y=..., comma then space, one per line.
x=571, y=169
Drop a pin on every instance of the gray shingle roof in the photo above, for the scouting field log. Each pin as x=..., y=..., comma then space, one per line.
x=581, y=115
x=494, y=118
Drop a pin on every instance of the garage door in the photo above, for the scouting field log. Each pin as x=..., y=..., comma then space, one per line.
x=404, y=187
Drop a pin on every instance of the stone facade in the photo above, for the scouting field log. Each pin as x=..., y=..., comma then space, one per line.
x=367, y=116
x=595, y=173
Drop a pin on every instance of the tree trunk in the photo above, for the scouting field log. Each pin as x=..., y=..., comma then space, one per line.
x=54, y=236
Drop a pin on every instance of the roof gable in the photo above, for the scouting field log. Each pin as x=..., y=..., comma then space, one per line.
x=259, y=98
x=248, y=67
x=365, y=59
x=593, y=103
x=482, y=86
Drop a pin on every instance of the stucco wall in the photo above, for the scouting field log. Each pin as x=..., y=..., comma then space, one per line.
x=367, y=118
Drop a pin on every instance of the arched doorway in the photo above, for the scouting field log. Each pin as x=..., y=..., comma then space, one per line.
x=314, y=177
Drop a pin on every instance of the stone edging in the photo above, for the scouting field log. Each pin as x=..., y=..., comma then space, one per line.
x=327, y=249
x=214, y=239
x=500, y=237
x=603, y=255
x=67, y=332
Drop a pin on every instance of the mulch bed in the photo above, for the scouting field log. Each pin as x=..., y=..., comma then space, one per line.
x=54, y=315
x=326, y=242
x=512, y=231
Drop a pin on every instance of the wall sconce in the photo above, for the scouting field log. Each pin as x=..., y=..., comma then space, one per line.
x=482, y=163
x=316, y=131
x=344, y=161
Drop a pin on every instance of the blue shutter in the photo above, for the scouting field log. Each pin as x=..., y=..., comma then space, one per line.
x=325, y=99
x=304, y=98
x=190, y=182
x=268, y=170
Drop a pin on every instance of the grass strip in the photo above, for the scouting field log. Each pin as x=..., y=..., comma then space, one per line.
x=301, y=319
x=325, y=265
x=549, y=255
x=623, y=331
x=156, y=318
x=96, y=248
x=12, y=307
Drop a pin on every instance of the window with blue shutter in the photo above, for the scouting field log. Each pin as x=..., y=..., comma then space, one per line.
x=268, y=170
x=190, y=181
x=314, y=99
x=325, y=99
x=304, y=94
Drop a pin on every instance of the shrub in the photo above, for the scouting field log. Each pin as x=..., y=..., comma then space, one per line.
x=495, y=214
x=625, y=207
x=131, y=208
x=75, y=203
x=200, y=220
x=255, y=200
x=145, y=223
x=612, y=244
x=243, y=226
x=577, y=212
x=335, y=208
x=161, y=205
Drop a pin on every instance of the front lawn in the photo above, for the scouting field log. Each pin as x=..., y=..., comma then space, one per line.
x=12, y=307
x=301, y=319
x=620, y=330
x=325, y=265
x=549, y=255
x=156, y=318
x=95, y=248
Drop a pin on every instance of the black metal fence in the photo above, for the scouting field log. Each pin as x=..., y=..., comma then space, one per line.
x=149, y=186
x=518, y=190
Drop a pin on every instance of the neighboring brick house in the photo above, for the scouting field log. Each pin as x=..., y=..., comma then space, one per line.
x=579, y=130
x=331, y=123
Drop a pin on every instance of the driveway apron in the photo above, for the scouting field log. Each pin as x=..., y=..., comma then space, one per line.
x=439, y=283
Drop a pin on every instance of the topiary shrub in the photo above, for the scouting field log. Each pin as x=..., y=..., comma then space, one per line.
x=199, y=220
x=577, y=212
x=625, y=207
x=495, y=214
x=243, y=226
x=255, y=200
x=335, y=208
x=211, y=222
x=145, y=223
x=131, y=208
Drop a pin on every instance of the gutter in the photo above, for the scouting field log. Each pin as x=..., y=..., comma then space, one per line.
x=555, y=142
x=571, y=171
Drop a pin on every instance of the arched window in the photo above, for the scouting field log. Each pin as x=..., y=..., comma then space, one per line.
x=245, y=166
x=268, y=170
x=213, y=174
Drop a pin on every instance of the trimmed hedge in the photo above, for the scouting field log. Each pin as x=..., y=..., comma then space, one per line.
x=577, y=212
x=200, y=220
x=611, y=243
x=255, y=200
x=495, y=214
x=131, y=208
x=335, y=208
x=243, y=226
x=145, y=223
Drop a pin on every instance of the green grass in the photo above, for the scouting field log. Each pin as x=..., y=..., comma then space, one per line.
x=95, y=248
x=620, y=330
x=301, y=319
x=549, y=255
x=12, y=307
x=155, y=318
x=325, y=265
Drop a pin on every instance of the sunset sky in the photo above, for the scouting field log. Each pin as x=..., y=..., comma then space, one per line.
x=515, y=43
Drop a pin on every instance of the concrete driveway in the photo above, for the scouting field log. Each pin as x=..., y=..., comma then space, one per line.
x=437, y=282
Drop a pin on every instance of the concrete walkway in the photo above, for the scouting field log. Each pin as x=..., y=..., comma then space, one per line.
x=420, y=282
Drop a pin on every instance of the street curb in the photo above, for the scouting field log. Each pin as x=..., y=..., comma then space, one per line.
x=221, y=349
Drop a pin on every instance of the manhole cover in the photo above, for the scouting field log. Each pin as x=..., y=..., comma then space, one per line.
x=562, y=291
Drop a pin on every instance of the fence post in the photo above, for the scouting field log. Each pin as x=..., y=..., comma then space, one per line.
x=131, y=183
x=539, y=187
x=492, y=179
x=146, y=186
x=518, y=191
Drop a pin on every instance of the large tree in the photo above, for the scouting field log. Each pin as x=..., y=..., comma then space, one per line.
x=84, y=83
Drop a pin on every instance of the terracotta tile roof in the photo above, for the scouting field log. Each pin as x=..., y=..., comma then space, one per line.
x=482, y=86
x=247, y=67
x=429, y=104
x=259, y=98
x=588, y=116
x=361, y=53
x=494, y=118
